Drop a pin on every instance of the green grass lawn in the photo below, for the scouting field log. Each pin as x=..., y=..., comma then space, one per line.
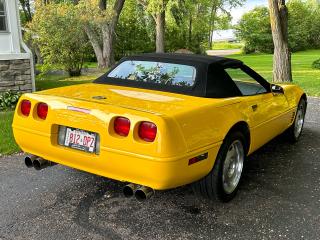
x=54, y=81
x=7, y=143
x=226, y=45
x=303, y=75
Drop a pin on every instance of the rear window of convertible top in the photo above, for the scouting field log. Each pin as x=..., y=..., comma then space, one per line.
x=169, y=74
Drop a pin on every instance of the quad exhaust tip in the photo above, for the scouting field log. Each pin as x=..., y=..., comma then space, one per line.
x=141, y=193
x=29, y=161
x=128, y=190
x=37, y=162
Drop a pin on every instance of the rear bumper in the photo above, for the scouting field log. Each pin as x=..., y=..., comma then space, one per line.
x=157, y=173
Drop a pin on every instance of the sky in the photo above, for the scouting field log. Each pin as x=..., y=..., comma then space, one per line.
x=236, y=13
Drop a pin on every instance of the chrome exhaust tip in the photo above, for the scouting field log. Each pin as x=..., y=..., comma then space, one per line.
x=28, y=161
x=143, y=193
x=128, y=190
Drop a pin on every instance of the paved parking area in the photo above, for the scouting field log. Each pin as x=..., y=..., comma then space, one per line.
x=279, y=199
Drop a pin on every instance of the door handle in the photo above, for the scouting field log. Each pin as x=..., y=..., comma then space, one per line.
x=254, y=107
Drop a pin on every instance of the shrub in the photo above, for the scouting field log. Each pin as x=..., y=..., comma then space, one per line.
x=60, y=35
x=316, y=64
x=8, y=100
x=299, y=25
x=255, y=30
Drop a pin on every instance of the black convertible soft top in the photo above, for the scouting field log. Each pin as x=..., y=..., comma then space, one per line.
x=181, y=58
x=211, y=78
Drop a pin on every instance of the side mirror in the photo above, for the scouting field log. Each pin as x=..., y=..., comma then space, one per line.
x=276, y=89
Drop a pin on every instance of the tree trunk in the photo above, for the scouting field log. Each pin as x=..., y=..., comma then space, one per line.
x=160, y=31
x=108, y=39
x=93, y=38
x=37, y=53
x=213, y=15
x=282, y=56
x=104, y=49
x=190, y=33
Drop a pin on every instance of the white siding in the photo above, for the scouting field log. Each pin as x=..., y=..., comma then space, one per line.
x=9, y=41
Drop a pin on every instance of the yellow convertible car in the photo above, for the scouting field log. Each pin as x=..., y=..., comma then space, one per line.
x=160, y=121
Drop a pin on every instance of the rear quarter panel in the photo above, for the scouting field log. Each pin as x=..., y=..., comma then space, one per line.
x=293, y=94
x=210, y=124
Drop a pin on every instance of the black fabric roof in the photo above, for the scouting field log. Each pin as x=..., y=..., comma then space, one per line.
x=222, y=61
x=211, y=81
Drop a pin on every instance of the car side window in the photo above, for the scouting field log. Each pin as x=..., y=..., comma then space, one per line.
x=247, y=85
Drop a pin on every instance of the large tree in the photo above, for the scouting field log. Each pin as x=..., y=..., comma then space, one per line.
x=157, y=9
x=279, y=26
x=216, y=6
x=100, y=18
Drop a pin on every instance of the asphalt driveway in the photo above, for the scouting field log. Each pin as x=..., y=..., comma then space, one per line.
x=279, y=199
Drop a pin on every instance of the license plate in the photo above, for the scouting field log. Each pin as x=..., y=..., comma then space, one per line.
x=80, y=139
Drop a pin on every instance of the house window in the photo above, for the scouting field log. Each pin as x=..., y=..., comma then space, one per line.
x=3, y=17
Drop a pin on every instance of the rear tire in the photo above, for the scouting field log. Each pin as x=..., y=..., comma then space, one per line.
x=294, y=132
x=222, y=182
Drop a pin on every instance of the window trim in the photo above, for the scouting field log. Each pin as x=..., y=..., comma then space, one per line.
x=5, y=15
x=254, y=75
x=194, y=72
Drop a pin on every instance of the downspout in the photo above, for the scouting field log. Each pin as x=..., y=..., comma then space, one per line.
x=26, y=49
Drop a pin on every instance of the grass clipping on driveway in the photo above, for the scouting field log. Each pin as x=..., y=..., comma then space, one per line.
x=7, y=142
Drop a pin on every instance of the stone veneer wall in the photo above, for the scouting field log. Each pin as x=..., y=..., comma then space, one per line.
x=15, y=75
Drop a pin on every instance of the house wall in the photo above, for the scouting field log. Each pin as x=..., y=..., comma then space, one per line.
x=9, y=41
x=16, y=64
x=15, y=75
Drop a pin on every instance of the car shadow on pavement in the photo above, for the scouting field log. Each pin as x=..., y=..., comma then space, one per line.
x=272, y=177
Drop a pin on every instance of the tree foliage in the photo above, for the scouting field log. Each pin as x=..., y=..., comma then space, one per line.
x=135, y=32
x=303, y=27
x=255, y=30
x=304, y=24
x=26, y=15
x=59, y=34
x=116, y=28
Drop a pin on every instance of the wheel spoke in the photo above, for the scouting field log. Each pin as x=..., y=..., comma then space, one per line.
x=233, y=166
x=298, y=124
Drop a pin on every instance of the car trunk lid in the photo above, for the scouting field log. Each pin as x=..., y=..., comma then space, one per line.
x=150, y=101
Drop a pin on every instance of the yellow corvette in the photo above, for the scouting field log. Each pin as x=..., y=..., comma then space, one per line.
x=160, y=121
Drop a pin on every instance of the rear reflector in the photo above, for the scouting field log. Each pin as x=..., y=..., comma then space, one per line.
x=42, y=110
x=122, y=126
x=147, y=131
x=198, y=158
x=25, y=107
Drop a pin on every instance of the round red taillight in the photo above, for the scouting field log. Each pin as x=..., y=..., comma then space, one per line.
x=147, y=131
x=25, y=107
x=42, y=110
x=122, y=126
